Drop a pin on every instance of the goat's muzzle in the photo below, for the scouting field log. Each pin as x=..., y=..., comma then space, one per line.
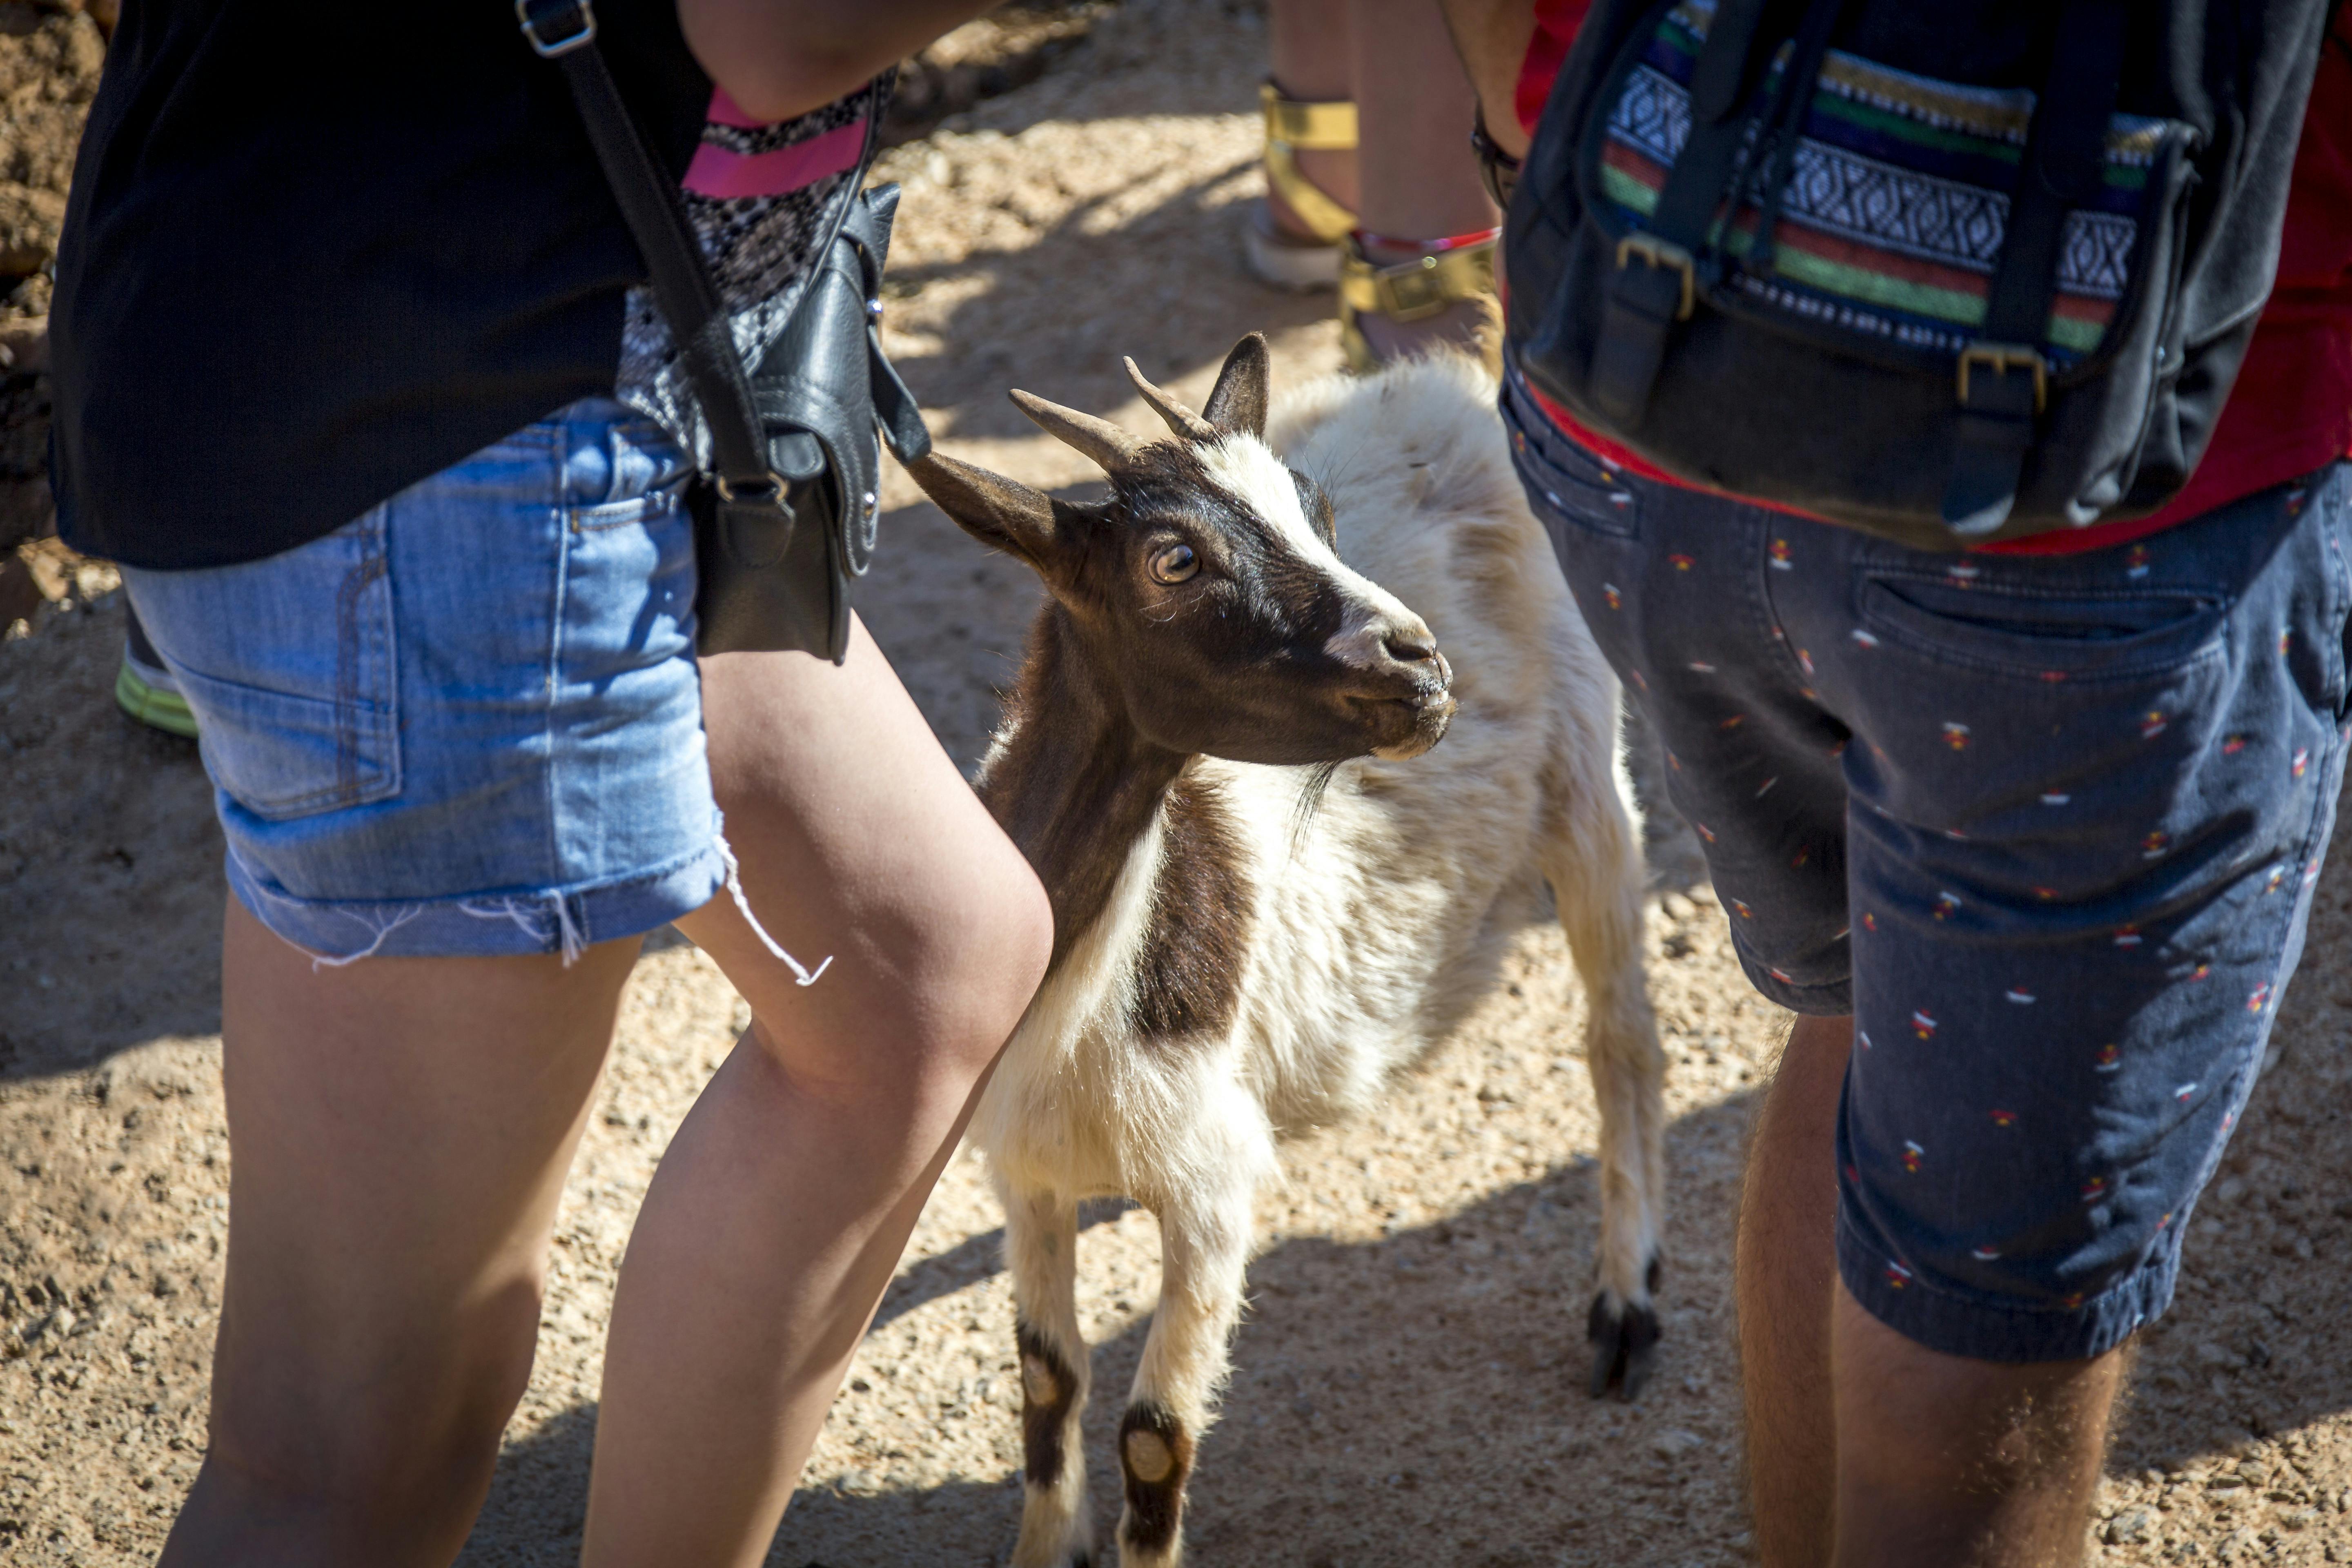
x=1402, y=686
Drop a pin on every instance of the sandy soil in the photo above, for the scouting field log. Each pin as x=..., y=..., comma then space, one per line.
x=1406, y=1390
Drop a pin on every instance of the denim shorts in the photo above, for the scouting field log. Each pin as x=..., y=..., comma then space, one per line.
x=469, y=721
x=2047, y=827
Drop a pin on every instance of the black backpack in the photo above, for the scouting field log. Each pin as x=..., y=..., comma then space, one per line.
x=1944, y=273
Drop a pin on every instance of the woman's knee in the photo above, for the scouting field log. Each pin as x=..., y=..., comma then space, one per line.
x=937, y=979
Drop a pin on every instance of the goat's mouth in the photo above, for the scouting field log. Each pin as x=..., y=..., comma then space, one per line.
x=1408, y=725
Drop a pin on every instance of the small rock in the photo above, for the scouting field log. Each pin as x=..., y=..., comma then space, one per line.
x=860, y=1483
x=2224, y=1482
x=2131, y=1526
x=2211, y=1354
x=2254, y=1472
x=1673, y=1443
x=2232, y=1546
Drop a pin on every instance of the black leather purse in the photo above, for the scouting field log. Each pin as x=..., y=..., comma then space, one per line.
x=785, y=513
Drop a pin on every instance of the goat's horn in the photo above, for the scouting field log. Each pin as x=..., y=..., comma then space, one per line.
x=1180, y=419
x=1111, y=446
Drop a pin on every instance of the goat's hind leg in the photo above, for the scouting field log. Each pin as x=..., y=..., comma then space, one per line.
x=1041, y=1236
x=1593, y=858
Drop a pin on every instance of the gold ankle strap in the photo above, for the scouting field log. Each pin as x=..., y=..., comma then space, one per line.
x=1329, y=127
x=1410, y=291
x=1291, y=126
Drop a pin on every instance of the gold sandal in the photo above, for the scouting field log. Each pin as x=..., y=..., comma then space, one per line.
x=1447, y=272
x=1293, y=126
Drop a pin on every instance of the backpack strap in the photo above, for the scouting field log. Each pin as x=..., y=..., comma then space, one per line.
x=2003, y=379
x=1643, y=301
x=565, y=32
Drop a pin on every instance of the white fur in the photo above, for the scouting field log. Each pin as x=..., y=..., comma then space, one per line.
x=1375, y=926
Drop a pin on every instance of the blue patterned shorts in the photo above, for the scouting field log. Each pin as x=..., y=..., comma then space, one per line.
x=2047, y=827
x=470, y=720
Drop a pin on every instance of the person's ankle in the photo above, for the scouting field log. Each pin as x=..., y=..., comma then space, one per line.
x=1331, y=171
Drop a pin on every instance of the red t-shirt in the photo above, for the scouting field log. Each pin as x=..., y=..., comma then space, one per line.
x=2291, y=411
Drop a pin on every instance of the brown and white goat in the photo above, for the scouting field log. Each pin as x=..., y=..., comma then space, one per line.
x=1266, y=898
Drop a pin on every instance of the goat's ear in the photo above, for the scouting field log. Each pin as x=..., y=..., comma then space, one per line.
x=1237, y=405
x=1002, y=513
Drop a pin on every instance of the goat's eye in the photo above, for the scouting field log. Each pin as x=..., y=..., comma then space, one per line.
x=1175, y=563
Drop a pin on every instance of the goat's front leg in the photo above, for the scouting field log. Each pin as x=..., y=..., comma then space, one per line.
x=1041, y=1237
x=1593, y=858
x=1203, y=1249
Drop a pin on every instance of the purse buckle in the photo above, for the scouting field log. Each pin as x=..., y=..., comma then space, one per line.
x=770, y=486
x=535, y=15
x=1666, y=255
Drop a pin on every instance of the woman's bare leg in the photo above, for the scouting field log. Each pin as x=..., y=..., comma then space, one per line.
x=1419, y=179
x=787, y=1197
x=1414, y=112
x=1308, y=54
x=399, y=1131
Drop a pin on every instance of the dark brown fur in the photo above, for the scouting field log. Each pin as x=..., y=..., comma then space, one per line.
x=1075, y=787
x=1155, y=1507
x=1188, y=977
x=1041, y=1424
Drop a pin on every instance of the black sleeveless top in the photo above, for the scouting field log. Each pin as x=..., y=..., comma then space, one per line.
x=315, y=253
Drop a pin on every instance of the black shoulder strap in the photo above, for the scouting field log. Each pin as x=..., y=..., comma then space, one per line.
x=565, y=32
x=1644, y=301
x=2003, y=377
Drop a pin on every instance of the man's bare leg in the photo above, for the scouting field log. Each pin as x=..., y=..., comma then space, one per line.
x=1785, y=1272
x=399, y=1131
x=1864, y=1448
x=787, y=1197
x=1970, y=1463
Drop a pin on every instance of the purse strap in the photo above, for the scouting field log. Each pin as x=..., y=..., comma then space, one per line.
x=565, y=32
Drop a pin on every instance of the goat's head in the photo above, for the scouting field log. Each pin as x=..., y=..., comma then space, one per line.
x=1208, y=590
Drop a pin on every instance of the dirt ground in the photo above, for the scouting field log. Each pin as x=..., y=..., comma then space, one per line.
x=1407, y=1384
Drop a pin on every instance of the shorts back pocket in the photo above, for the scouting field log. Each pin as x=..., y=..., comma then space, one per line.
x=289, y=665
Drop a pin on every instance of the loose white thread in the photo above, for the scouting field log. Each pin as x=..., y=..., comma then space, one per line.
x=320, y=961
x=505, y=909
x=575, y=941
x=735, y=886
x=572, y=939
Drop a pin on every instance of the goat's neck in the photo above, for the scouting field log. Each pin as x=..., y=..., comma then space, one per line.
x=1076, y=784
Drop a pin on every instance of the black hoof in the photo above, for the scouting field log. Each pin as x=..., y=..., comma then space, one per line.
x=1623, y=1343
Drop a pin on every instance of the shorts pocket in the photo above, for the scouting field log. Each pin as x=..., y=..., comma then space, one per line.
x=1578, y=489
x=2054, y=634
x=636, y=509
x=282, y=755
x=289, y=665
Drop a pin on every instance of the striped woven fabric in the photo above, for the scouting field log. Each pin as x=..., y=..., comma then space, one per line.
x=1897, y=199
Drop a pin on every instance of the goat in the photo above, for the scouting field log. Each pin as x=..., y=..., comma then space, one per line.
x=1265, y=898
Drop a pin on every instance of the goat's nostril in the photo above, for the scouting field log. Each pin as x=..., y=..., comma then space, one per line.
x=1409, y=647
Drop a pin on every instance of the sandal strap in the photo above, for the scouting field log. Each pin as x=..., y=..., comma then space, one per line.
x=1325, y=220
x=1410, y=291
x=1326, y=127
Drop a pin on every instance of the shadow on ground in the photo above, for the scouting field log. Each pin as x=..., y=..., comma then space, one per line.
x=1355, y=1363
x=1362, y=1368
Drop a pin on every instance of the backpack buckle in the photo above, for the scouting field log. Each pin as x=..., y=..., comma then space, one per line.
x=2003, y=358
x=1667, y=255
x=571, y=23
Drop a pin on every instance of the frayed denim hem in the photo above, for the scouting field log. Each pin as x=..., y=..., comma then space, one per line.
x=565, y=921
